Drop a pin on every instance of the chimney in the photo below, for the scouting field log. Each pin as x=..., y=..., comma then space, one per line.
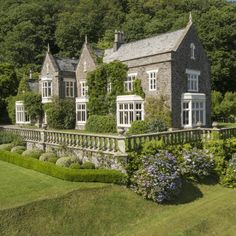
x=119, y=39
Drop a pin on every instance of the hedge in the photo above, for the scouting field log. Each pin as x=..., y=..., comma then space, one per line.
x=81, y=175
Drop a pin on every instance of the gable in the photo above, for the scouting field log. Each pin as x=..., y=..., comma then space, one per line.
x=49, y=65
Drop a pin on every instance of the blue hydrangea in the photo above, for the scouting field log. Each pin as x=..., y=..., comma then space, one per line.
x=158, y=178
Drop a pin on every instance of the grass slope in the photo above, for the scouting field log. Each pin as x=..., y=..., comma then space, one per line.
x=108, y=209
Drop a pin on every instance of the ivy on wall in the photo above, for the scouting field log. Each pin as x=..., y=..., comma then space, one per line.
x=102, y=101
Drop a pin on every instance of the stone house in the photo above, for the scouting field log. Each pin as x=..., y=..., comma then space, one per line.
x=173, y=65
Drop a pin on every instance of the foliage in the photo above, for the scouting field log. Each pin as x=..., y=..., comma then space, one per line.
x=138, y=88
x=35, y=153
x=157, y=109
x=61, y=113
x=87, y=165
x=215, y=146
x=158, y=178
x=101, y=124
x=18, y=149
x=6, y=146
x=8, y=137
x=216, y=99
x=100, y=101
x=230, y=147
x=46, y=156
x=147, y=126
x=52, y=159
x=104, y=176
x=196, y=164
x=152, y=147
x=229, y=179
x=65, y=161
x=138, y=127
x=33, y=104
x=75, y=166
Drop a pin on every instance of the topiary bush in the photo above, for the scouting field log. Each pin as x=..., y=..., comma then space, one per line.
x=35, y=153
x=196, y=164
x=87, y=165
x=66, y=161
x=6, y=146
x=52, y=159
x=158, y=178
x=101, y=124
x=75, y=166
x=18, y=149
x=46, y=156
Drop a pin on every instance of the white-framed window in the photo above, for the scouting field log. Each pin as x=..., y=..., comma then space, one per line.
x=192, y=76
x=47, y=89
x=81, y=110
x=129, y=82
x=193, y=109
x=83, y=88
x=22, y=116
x=192, y=51
x=152, y=80
x=129, y=109
x=109, y=87
x=69, y=88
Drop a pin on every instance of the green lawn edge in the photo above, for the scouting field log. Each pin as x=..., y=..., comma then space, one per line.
x=81, y=175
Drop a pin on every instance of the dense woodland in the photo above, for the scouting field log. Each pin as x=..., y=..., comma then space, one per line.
x=28, y=26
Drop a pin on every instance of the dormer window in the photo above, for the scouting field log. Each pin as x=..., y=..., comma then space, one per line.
x=192, y=51
x=85, y=66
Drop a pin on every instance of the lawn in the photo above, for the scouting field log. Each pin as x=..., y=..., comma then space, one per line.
x=35, y=204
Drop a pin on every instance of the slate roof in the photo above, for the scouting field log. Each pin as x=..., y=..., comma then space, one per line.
x=146, y=47
x=66, y=64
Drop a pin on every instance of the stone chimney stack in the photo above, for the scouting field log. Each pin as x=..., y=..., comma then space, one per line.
x=119, y=39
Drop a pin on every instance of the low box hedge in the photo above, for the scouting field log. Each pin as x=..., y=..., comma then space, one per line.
x=81, y=175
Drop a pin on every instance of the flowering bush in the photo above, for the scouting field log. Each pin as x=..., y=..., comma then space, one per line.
x=158, y=178
x=229, y=179
x=196, y=164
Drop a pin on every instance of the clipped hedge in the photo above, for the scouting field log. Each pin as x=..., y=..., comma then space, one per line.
x=101, y=124
x=75, y=175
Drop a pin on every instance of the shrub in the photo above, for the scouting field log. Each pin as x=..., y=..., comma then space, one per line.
x=158, y=178
x=6, y=146
x=152, y=147
x=52, y=160
x=18, y=149
x=8, y=137
x=65, y=161
x=230, y=147
x=215, y=146
x=139, y=127
x=88, y=165
x=196, y=164
x=46, y=156
x=101, y=124
x=147, y=126
x=32, y=153
x=229, y=179
x=103, y=176
x=61, y=114
x=75, y=166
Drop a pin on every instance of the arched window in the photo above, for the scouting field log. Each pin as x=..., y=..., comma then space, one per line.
x=192, y=50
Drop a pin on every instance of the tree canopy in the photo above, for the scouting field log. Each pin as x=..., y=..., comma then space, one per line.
x=27, y=27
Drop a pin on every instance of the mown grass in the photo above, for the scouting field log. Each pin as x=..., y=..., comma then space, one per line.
x=48, y=206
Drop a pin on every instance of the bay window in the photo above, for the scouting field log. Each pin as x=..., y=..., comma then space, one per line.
x=46, y=90
x=129, y=109
x=193, y=109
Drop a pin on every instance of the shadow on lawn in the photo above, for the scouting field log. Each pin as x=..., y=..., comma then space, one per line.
x=189, y=193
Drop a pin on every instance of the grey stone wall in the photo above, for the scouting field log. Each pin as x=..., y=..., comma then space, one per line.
x=181, y=62
x=90, y=65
